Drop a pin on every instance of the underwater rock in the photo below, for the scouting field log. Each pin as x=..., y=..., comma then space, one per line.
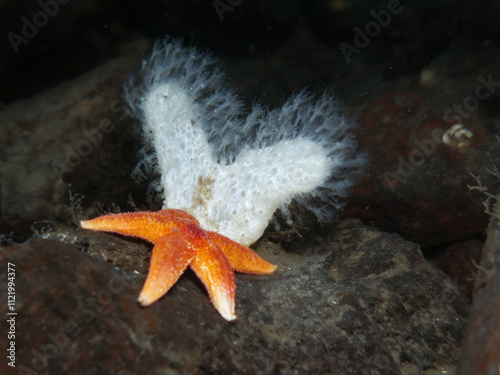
x=418, y=184
x=71, y=137
x=351, y=300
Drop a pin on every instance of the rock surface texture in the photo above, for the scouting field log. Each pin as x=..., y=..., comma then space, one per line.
x=353, y=300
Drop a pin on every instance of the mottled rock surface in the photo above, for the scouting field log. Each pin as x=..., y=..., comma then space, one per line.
x=352, y=301
x=459, y=261
x=419, y=184
x=481, y=354
x=69, y=138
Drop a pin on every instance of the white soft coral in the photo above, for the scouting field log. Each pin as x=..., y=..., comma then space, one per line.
x=232, y=173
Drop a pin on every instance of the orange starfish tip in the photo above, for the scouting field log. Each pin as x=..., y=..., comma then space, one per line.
x=145, y=300
x=228, y=313
x=85, y=224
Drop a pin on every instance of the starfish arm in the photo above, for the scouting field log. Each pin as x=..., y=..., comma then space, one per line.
x=212, y=267
x=178, y=214
x=170, y=258
x=149, y=226
x=241, y=258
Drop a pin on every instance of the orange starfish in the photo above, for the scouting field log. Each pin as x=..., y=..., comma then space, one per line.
x=179, y=242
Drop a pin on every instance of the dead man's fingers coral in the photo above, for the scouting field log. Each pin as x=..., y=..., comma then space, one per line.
x=231, y=171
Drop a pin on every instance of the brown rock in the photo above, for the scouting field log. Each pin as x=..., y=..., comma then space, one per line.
x=353, y=301
x=481, y=354
x=481, y=350
x=73, y=135
x=459, y=261
x=417, y=184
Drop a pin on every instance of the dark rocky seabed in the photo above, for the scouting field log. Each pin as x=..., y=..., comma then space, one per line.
x=405, y=282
